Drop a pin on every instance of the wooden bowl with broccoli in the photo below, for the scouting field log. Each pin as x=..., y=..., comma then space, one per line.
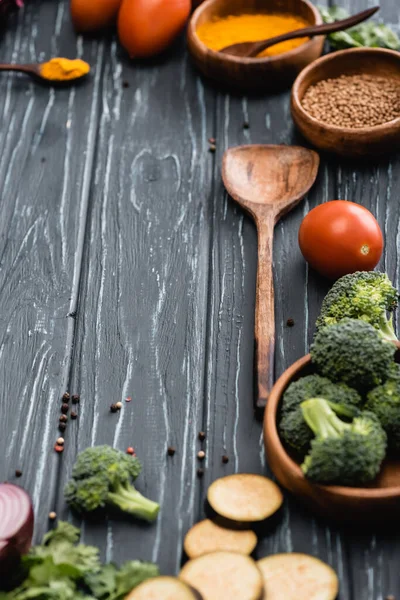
x=332, y=423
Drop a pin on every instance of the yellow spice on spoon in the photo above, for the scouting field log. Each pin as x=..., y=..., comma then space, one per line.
x=234, y=29
x=64, y=69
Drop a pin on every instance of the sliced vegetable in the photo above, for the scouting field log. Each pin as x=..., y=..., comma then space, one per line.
x=339, y=237
x=224, y=575
x=16, y=524
x=207, y=536
x=244, y=497
x=298, y=577
x=147, y=27
x=164, y=588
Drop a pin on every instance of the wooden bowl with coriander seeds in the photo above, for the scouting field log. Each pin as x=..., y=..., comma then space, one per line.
x=267, y=73
x=378, y=503
x=348, y=102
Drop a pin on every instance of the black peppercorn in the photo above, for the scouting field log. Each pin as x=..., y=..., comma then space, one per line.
x=114, y=408
x=75, y=399
x=74, y=415
x=290, y=322
x=63, y=419
x=18, y=473
x=64, y=408
x=225, y=459
x=171, y=451
x=62, y=427
x=202, y=436
x=65, y=397
x=200, y=473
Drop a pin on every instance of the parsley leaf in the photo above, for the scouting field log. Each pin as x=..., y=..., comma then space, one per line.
x=369, y=34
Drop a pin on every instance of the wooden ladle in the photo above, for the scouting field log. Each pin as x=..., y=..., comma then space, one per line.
x=267, y=181
x=252, y=49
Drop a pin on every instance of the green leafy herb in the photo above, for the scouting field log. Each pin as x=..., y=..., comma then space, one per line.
x=113, y=584
x=369, y=34
x=62, y=569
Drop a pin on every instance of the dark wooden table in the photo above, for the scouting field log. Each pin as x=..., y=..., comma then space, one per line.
x=126, y=271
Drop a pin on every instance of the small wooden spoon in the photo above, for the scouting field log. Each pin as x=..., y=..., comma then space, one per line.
x=34, y=71
x=267, y=181
x=252, y=49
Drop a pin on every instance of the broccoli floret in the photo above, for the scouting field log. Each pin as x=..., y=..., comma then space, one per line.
x=365, y=295
x=102, y=476
x=298, y=435
x=342, y=453
x=353, y=352
x=384, y=401
x=315, y=386
x=292, y=427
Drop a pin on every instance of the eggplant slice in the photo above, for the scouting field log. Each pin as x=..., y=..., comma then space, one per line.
x=207, y=536
x=163, y=588
x=224, y=575
x=244, y=497
x=298, y=577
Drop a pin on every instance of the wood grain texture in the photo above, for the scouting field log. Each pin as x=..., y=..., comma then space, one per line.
x=141, y=317
x=40, y=216
x=127, y=223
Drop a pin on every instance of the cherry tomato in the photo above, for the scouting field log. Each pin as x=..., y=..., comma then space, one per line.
x=147, y=27
x=91, y=15
x=341, y=237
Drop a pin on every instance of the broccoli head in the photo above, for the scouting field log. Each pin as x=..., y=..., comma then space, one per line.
x=102, y=476
x=292, y=427
x=365, y=295
x=315, y=386
x=353, y=352
x=384, y=401
x=342, y=453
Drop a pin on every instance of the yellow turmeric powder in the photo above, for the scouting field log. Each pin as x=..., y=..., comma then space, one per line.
x=234, y=29
x=64, y=69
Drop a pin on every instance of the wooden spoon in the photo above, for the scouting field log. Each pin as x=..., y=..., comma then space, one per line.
x=252, y=49
x=34, y=71
x=267, y=181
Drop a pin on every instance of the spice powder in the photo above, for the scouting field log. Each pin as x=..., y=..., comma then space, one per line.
x=354, y=101
x=221, y=32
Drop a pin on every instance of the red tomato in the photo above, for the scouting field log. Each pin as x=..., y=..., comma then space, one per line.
x=91, y=15
x=341, y=237
x=147, y=27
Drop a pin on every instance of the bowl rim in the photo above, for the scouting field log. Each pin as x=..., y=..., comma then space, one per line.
x=270, y=430
x=330, y=58
x=249, y=61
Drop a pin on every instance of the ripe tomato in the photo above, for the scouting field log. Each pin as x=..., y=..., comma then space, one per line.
x=147, y=27
x=91, y=15
x=341, y=237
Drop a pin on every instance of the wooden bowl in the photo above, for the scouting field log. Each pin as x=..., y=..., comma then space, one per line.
x=253, y=74
x=377, y=503
x=341, y=140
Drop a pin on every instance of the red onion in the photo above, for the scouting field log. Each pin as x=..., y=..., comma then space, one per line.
x=16, y=524
x=8, y=6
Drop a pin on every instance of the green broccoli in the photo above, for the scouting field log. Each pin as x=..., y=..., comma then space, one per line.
x=292, y=427
x=365, y=295
x=384, y=401
x=353, y=352
x=314, y=386
x=342, y=453
x=102, y=477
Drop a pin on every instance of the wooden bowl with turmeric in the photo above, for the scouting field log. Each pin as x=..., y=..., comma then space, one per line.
x=219, y=23
x=348, y=102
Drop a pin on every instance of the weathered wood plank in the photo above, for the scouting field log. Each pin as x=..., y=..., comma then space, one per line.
x=142, y=312
x=232, y=429
x=40, y=215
